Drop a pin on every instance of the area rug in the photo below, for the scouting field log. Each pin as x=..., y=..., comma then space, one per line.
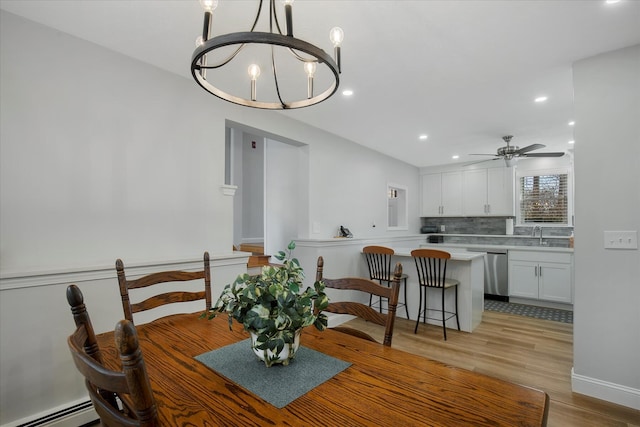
x=278, y=385
x=553, y=314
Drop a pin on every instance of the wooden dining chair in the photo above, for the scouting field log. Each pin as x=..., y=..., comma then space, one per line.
x=120, y=398
x=360, y=310
x=379, y=265
x=431, y=265
x=165, y=298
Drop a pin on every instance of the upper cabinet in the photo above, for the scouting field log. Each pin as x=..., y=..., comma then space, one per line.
x=441, y=194
x=500, y=191
x=476, y=192
x=488, y=192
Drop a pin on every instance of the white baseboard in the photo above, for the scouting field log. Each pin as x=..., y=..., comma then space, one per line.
x=611, y=392
x=73, y=414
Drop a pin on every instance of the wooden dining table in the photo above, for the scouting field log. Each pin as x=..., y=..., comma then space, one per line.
x=382, y=386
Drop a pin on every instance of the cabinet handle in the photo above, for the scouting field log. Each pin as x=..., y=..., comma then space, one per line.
x=535, y=271
x=488, y=208
x=540, y=271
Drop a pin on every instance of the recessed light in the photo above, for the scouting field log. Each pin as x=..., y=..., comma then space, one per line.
x=572, y=142
x=347, y=92
x=540, y=99
x=571, y=123
x=612, y=1
x=423, y=137
x=455, y=156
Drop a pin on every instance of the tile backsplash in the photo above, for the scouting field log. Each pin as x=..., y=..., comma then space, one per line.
x=494, y=226
x=469, y=225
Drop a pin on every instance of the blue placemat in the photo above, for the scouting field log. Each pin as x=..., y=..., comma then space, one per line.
x=278, y=385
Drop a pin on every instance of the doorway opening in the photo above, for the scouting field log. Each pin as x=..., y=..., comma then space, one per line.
x=271, y=200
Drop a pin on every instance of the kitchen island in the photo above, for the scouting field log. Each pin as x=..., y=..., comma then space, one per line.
x=467, y=268
x=344, y=258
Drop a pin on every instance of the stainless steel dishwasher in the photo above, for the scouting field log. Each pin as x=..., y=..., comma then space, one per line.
x=496, y=276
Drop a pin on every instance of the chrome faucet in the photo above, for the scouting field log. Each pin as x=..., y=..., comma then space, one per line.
x=533, y=232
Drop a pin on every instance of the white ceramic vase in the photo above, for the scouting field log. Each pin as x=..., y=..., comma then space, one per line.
x=269, y=358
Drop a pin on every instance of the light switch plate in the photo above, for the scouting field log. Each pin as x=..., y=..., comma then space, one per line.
x=621, y=240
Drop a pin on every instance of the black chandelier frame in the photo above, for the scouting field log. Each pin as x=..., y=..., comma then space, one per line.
x=294, y=45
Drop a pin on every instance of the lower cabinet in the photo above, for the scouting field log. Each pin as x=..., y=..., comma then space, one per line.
x=541, y=275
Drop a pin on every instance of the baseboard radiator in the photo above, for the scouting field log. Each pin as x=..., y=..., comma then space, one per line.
x=80, y=414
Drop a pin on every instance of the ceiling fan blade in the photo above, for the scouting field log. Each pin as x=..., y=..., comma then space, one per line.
x=480, y=161
x=530, y=148
x=554, y=154
x=476, y=154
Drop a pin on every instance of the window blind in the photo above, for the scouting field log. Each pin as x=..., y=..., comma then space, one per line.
x=544, y=199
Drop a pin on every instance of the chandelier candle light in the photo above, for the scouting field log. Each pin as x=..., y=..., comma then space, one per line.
x=286, y=91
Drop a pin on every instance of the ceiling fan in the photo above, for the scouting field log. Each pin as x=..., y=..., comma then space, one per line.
x=510, y=153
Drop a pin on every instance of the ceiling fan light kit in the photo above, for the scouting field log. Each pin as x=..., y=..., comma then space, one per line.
x=511, y=153
x=206, y=58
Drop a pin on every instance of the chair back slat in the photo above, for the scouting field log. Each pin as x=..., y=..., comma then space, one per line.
x=166, y=298
x=164, y=276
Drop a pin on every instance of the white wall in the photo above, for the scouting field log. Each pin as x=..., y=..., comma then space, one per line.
x=607, y=179
x=252, y=190
x=102, y=156
x=349, y=188
x=283, y=166
x=94, y=165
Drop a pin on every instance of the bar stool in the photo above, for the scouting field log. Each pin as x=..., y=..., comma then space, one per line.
x=379, y=263
x=432, y=270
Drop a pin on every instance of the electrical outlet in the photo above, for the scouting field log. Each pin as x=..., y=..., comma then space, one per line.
x=621, y=240
x=442, y=228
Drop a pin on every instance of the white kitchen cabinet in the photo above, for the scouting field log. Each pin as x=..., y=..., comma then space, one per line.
x=543, y=276
x=474, y=190
x=488, y=192
x=431, y=189
x=500, y=191
x=524, y=279
x=441, y=194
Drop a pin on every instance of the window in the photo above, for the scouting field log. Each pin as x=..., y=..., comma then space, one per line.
x=544, y=198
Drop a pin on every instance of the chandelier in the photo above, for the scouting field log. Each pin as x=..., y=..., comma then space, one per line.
x=294, y=63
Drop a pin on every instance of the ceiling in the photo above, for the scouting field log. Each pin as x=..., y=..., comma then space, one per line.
x=464, y=72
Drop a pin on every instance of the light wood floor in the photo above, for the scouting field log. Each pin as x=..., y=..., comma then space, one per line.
x=523, y=350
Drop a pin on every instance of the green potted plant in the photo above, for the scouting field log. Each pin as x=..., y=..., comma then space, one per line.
x=273, y=309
